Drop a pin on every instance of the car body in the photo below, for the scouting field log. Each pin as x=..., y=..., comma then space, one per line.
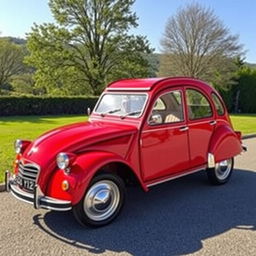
x=142, y=131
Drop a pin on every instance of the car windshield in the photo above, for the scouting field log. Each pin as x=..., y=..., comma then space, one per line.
x=122, y=104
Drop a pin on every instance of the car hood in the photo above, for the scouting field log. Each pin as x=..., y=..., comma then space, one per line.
x=73, y=138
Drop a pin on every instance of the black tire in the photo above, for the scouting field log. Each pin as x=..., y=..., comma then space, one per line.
x=103, y=187
x=221, y=173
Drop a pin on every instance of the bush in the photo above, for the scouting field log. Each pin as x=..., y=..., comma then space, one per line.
x=10, y=106
x=247, y=88
x=241, y=96
x=228, y=98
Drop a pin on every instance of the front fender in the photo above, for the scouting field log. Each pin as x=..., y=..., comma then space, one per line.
x=224, y=143
x=86, y=166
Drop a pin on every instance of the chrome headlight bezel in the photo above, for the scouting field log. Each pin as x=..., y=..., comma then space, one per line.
x=62, y=160
x=18, y=146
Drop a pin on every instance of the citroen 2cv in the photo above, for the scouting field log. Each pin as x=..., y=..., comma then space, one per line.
x=141, y=131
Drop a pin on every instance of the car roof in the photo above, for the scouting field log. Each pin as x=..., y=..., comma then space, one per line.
x=138, y=83
x=147, y=84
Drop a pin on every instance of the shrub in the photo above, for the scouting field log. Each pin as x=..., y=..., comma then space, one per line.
x=247, y=87
x=10, y=106
x=241, y=96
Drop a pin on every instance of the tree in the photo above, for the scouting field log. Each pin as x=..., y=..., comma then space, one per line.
x=11, y=61
x=23, y=84
x=87, y=45
x=197, y=44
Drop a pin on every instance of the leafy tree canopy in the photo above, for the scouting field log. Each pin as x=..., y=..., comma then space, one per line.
x=87, y=47
x=11, y=62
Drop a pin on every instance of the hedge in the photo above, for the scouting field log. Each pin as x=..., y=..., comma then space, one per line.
x=241, y=96
x=10, y=106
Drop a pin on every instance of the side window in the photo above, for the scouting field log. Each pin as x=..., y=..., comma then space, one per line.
x=168, y=108
x=218, y=105
x=198, y=105
x=159, y=105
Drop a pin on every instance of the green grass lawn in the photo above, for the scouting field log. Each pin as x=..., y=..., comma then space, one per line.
x=246, y=123
x=29, y=127
x=26, y=127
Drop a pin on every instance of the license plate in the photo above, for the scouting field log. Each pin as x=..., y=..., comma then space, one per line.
x=27, y=184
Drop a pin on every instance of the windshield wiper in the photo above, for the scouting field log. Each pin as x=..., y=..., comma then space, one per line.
x=130, y=114
x=110, y=112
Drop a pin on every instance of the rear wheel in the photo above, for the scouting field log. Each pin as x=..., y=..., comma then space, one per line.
x=102, y=202
x=221, y=173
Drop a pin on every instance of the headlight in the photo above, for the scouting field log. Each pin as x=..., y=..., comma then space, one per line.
x=18, y=146
x=21, y=145
x=62, y=160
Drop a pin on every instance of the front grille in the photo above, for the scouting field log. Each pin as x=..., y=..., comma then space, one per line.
x=28, y=171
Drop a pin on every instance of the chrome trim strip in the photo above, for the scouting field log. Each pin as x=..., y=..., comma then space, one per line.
x=38, y=199
x=128, y=89
x=21, y=199
x=21, y=195
x=25, y=168
x=32, y=164
x=56, y=209
x=27, y=174
x=47, y=199
x=175, y=177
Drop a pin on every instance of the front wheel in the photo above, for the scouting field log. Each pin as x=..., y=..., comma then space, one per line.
x=102, y=202
x=221, y=173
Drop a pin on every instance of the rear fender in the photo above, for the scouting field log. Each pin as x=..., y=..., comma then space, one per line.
x=225, y=144
x=87, y=165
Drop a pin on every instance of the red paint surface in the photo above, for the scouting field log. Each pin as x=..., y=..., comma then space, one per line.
x=152, y=153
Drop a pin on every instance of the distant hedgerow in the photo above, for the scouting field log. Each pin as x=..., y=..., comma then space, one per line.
x=10, y=106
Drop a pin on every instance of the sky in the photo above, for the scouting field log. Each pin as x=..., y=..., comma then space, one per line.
x=17, y=17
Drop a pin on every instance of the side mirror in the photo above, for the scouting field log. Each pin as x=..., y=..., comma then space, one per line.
x=88, y=111
x=156, y=119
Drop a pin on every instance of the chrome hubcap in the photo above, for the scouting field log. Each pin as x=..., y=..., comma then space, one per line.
x=102, y=200
x=223, y=169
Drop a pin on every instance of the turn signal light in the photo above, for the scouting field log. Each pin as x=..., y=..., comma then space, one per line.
x=65, y=185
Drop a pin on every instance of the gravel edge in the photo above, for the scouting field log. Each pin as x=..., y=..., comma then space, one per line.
x=2, y=187
x=249, y=136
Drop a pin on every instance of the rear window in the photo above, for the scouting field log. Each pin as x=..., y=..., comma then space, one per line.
x=218, y=105
x=198, y=105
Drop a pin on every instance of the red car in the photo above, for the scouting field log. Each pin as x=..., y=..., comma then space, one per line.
x=142, y=131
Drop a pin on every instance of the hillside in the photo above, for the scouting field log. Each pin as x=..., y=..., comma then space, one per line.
x=250, y=65
x=15, y=40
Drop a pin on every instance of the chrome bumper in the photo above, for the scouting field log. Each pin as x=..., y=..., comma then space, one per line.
x=37, y=198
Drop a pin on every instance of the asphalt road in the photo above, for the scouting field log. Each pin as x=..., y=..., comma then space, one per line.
x=185, y=216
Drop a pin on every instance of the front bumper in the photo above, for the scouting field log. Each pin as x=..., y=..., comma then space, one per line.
x=37, y=198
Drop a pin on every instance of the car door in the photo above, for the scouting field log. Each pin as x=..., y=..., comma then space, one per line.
x=164, y=138
x=201, y=124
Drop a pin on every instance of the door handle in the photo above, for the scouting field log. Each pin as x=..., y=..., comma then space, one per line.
x=184, y=128
x=212, y=122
